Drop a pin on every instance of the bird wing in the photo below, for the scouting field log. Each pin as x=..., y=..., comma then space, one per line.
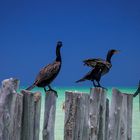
x=92, y=62
x=85, y=77
x=106, y=68
x=48, y=71
x=104, y=71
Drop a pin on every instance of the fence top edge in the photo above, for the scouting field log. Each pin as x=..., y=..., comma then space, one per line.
x=76, y=92
x=115, y=90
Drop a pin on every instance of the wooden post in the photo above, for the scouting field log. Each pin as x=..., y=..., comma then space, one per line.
x=86, y=115
x=107, y=120
x=31, y=115
x=120, y=126
x=98, y=114
x=139, y=101
x=11, y=104
x=76, y=116
x=49, y=116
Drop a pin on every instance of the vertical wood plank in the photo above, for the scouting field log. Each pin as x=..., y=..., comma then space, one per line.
x=86, y=115
x=10, y=110
x=120, y=126
x=31, y=115
x=98, y=113
x=107, y=120
x=76, y=116
x=49, y=116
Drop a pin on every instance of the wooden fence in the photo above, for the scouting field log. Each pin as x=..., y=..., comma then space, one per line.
x=87, y=116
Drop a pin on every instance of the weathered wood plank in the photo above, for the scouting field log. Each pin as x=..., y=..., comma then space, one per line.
x=86, y=115
x=10, y=110
x=70, y=110
x=49, y=116
x=107, y=119
x=37, y=109
x=115, y=111
x=31, y=115
x=17, y=118
x=121, y=116
x=98, y=114
x=129, y=116
x=76, y=116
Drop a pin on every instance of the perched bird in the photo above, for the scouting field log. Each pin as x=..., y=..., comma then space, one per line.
x=100, y=68
x=49, y=72
x=104, y=64
x=92, y=75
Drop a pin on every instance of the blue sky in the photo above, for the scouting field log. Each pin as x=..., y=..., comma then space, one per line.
x=29, y=31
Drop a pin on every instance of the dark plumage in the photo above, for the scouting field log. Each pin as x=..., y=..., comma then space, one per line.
x=105, y=65
x=49, y=72
x=100, y=68
x=94, y=74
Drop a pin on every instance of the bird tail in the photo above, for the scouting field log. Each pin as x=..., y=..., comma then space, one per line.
x=31, y=87
x=81, y=80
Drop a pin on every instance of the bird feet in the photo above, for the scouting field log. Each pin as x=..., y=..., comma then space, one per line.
x=55, y=92
x=101, y=87
x=50, y=89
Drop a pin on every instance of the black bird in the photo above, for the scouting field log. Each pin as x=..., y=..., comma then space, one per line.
x=106, y=64
x=92, y=75
x=100, y=68
x=49, y=72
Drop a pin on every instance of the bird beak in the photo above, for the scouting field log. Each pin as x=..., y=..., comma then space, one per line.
x=117, y=51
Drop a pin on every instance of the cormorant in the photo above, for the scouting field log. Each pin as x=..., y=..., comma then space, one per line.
x=92, y=75
x=106, y=64
x=100, y=68
x=49, y=72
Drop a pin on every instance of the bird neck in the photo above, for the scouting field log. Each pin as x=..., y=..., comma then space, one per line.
x=58, y=54
x=109, y=56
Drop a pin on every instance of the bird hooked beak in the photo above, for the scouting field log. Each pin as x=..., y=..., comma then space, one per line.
x=116, y=51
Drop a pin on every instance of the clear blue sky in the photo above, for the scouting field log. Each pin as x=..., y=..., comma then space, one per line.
x=29, y=31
